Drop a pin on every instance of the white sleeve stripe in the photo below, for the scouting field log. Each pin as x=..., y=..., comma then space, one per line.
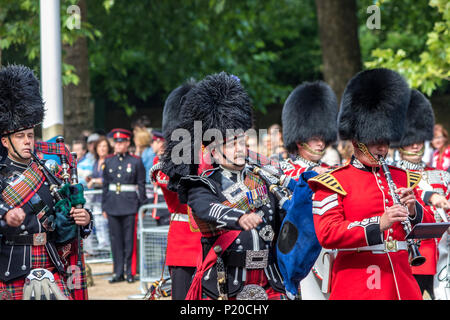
x=327, y=200
x=215, y=210
x=321, y=211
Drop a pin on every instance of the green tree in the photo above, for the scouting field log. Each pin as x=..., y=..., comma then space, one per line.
x=150, y=47
x=20, y=37
x=425, y=62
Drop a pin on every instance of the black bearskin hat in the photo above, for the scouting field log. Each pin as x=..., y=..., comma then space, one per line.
x=373, y=107
x=419, y=120
x=220, y=102
x=21, y=105
x=172, y=107
x=309, y=111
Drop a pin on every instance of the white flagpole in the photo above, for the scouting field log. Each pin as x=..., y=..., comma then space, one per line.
x=51, y=79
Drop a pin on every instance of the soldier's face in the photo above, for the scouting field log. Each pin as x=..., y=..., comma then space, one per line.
x=232, y=153
x=413, y=152
x=314, y=149
x=121, y=146
x=23, y=142
x=370, y=157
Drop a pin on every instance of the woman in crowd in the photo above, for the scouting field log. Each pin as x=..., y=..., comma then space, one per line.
x=102, y=149
x=440, y=142
x=142, y=141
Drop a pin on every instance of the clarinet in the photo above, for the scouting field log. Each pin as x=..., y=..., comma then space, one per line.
x=415, y=258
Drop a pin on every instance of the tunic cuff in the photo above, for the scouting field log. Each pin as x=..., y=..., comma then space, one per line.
x=426, y=197
x=373, y=234
x=419, y=214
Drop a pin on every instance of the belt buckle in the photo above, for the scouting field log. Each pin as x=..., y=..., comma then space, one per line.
x=390, y=246
x=252, y=292
x=256, y=259
x=39, y=239
x=118, y=188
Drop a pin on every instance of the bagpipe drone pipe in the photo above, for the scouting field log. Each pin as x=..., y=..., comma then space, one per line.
x=67, y=193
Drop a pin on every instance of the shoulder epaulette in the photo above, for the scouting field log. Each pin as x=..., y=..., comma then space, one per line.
x=328, y=180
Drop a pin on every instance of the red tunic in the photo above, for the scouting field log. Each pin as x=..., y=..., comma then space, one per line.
x=183, y=245
x=432, y=180
x=441, y=162
x=294, y=168
x=347, y=205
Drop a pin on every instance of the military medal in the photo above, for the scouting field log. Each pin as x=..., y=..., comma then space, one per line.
x=129, y=168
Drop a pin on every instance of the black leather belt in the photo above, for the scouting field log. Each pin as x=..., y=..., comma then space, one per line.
x=36, y=239
x=247, y=259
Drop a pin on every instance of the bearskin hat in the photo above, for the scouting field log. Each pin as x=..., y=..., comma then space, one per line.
x=172, y=107
x=309, y=111
x=217, y=102
x=419, y=120
x=374, y=106
x=21, y=105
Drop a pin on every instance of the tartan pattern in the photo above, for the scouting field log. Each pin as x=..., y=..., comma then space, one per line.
x=30, y=181
x=39, y=259
x=69, y=254
x=55, y=148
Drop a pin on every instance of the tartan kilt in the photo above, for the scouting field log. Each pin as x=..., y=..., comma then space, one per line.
x=258, y=277
x=39, y=259
x=75, y=278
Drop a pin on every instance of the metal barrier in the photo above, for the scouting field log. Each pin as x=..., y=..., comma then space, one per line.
x=97, y=247
x=152, y=246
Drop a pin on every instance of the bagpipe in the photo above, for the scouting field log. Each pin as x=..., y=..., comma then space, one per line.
x=297, y=245
x=65, y=189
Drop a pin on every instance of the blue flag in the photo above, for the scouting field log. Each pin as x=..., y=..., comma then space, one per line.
x=297, y=244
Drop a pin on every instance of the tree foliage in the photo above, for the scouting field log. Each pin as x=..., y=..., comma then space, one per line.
x=20, y=34
x=150, y=47
x=425, y=59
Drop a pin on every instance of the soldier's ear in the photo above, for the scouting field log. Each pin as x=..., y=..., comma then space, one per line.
x=4, y=142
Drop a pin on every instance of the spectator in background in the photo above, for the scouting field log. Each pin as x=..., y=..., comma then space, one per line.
x=441, y=155
x=158, y=143
x=345, y=149
x=84, y=164
x=142, y=140
x=142, y=123
x=275, y=139
x=281, y=153
x=331, y=156
x=102, y=149
x=252, y=143
x=92, y=138
x=264, y=145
